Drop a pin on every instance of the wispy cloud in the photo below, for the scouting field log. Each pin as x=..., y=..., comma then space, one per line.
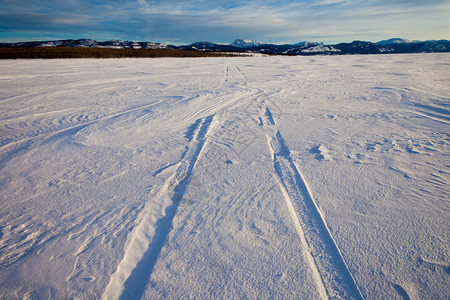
x=275, y=21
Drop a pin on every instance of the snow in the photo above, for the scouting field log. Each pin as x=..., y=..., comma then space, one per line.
x=246, y=43
x=308, y=44
x=50, y=44
x=247, y=177
x=320, y=49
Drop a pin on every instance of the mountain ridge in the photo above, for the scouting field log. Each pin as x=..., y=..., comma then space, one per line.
x=240, y=43
x=394, y=45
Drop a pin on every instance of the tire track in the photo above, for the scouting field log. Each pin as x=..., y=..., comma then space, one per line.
x=154, y=223
x=329, y=269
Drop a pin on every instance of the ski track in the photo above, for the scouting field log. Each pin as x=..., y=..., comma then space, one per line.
x=328, y=268
x=330, y=271
x=154, y=223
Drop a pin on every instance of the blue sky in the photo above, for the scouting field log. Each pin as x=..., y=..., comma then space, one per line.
x=182, y=22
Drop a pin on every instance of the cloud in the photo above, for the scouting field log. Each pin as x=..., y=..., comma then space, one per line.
x=274, y=21
x=297, y=21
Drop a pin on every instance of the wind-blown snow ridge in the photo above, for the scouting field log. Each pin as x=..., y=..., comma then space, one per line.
x=154, y=223
x=331, y=273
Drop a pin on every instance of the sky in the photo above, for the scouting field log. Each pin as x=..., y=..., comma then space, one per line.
x=184, y=21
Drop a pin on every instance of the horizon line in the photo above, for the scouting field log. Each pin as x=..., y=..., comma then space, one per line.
x=217, y=43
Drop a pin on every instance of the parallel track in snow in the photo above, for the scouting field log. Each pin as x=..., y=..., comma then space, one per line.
x=154, y=223
x=325, y=262
x=329, y=269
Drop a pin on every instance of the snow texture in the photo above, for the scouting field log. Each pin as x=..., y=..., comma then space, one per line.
x=250, y=177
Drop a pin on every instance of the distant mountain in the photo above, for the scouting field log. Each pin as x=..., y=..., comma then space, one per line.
x=208, y=46
x=360, y=47
x=395, y=45
x=407, y=46
x=287, y=49
x=306, y=43
x=117, y=44
x=245, y=43
x=394, y=41
x=435, y=46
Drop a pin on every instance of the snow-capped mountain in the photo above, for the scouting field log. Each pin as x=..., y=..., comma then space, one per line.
x=87, y=43
x=395, y=45
x=201, y=45
x=361, y=47
x=308, y=44
x=208, y=46
x=245, y=43
x=320, y=49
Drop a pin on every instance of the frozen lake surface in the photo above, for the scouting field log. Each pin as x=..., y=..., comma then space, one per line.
x=320, y=177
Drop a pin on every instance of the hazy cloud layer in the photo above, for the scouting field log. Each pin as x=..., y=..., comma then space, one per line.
x=176, y=21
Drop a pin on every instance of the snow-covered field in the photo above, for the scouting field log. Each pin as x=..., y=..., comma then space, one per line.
x=251, y=177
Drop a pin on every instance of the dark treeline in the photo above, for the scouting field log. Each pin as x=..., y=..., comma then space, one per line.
x=79, y=52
